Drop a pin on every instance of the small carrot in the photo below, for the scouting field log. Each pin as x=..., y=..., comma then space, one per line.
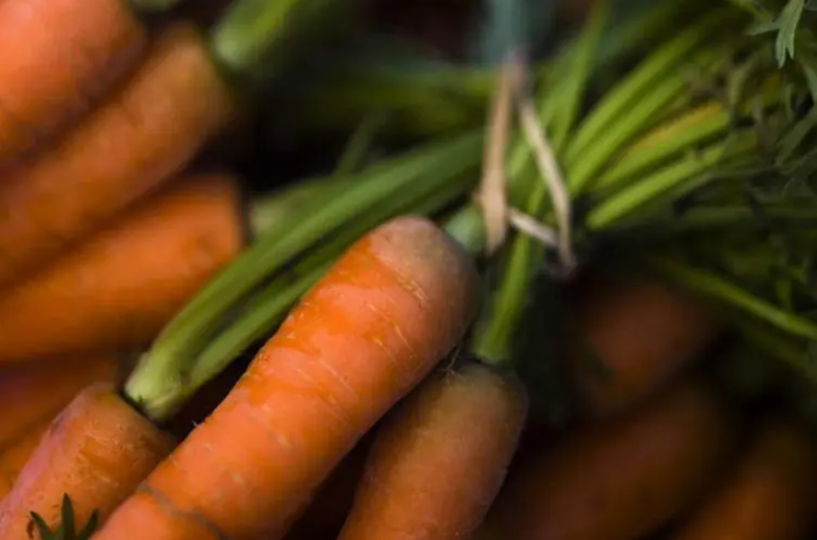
x=770, y=495
x=374, y=325
x=619, y=479
x=437, y=465
x=29, y=393
x=96, y=451
x=117, y=289
x=68, y=55
x=140, y=136
x=15, y=453
x=638, y=335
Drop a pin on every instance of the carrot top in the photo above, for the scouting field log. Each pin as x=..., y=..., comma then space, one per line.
x=65, y=530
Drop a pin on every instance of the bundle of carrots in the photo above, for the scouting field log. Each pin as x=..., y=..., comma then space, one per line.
x=542, y=292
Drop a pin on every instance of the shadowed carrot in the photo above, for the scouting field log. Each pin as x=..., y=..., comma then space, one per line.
x=67, y=55
x=619, y=479
x=771, y=494
x=30, y=393
x=119, y=288
x=438, y=463
x=15, y=454
x=145, y=133
x=642, y=333
x=96, y=450
x=374, y=325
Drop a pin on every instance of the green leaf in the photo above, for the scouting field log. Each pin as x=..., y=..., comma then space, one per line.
x=787, y=22
x=65, y=530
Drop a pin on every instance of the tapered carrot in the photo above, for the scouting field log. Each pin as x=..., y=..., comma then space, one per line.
x=364, y=336
x=15, y=453
x=140, y=136
x=61, y=57
x=619, y=479
x=439, y=462
x=29, y=393
x=96, y=451
x=117, y=289
x=637, y=336
x=771, y=494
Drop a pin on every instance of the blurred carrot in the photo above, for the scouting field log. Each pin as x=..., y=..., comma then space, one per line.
x=97, y=450
x=117, y=289
x=31, y=393
x=374, y=325
x=638, y=335
x=143, y=134
x=67, y=55
x=771, y=494
x=15, y=453
x=438, y=463
x=619, y=479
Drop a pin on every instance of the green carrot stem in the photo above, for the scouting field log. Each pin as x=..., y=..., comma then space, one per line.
x=152, y=6
x=466, y=227
x=640, y=194
x=254, y=37
x=163, y=372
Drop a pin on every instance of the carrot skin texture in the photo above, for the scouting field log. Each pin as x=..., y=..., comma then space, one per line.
x=376, y=323
x=66, y=55
x=644, y=333
x=120, y=287
x=138, y=138
x=438, y=464
x=619, y=479
x=31, y=392
x=15, y=454
x=771, y=495
x=97, y=451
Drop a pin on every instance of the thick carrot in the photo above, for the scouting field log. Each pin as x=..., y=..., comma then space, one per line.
x=636, y=335
x=438, y=464
x=771, y=494
x=15, y=454
x=145, y=133
x=619, y=479
x=376, y=323
x=138, y=138
x=96, y=451
x=119, y=288
x=61, y=57
x=32, y=392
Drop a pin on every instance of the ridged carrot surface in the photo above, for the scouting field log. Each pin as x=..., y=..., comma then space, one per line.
x=438, y=463
x=377, y=322
x=120, y=287
x=97, y=451
x=136, y=139
x=60, y=57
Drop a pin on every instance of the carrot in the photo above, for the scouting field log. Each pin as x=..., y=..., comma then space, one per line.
x=67, y=55
x=96, y=450
x=619, y=479
x=117, y=289
x=32, y=392
x=365, y=335
x=437, y=465
x=143, y=134
x=770, y=494
x=638, y=335
x=15, y=454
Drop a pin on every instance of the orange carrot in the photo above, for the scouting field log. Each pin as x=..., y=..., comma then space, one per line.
x=96, y=451
x=138, y=138
x=438, y=464
x=619, y=479
x=771, y=494
x=33, y=392
x=119, y=288
x=141, y=135
x=66, y=55
x=642, y=333
x=377, y=322
x=15, y=454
